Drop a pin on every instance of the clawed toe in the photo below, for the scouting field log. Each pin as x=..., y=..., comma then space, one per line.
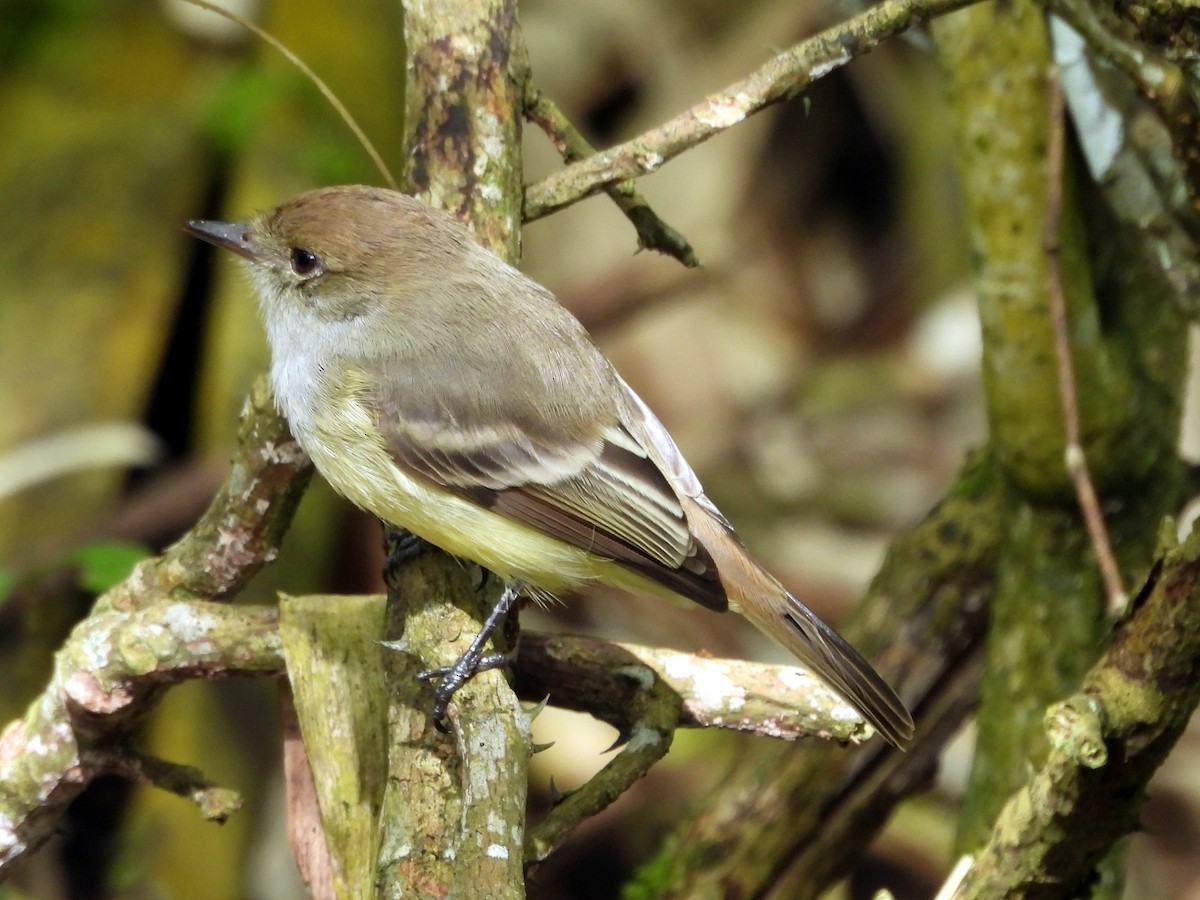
x=452, y=677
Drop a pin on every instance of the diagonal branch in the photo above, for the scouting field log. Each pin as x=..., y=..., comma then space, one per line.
x=653, y=233
x=242, y=528
x=1107, y=741
x=785, y=76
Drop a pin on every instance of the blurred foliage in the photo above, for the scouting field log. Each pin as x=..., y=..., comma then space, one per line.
x=8, y=580
x=28, y=24
x=103, y=564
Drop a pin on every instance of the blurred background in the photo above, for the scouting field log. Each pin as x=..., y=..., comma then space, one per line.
x=819, y=370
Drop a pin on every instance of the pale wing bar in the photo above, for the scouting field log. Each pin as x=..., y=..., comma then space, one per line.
x=617, y=504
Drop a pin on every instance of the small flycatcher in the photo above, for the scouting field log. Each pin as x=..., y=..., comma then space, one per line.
x=439, y=388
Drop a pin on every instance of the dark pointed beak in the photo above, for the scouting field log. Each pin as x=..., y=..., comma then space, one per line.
x=230, y=235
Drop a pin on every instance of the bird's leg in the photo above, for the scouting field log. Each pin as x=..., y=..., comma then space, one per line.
x=472, y=661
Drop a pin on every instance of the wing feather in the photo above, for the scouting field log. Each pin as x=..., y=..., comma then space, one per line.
x=606, y=495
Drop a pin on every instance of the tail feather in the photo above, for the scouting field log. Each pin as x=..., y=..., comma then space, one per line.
x=834, y=660
x=754, y=593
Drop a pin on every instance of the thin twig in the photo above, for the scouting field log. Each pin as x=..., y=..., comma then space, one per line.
x=651, y=709
x=785, y=76
x=328, y=93
x=1075, y=459
x=653, y=233
x=216, y=803
x=1160, y=81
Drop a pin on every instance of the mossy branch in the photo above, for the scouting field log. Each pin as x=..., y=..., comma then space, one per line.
x=1106, y=742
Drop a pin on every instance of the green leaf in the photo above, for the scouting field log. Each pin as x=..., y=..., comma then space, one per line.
x=103, y=564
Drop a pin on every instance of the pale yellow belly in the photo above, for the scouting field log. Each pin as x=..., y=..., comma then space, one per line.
x=363, y=472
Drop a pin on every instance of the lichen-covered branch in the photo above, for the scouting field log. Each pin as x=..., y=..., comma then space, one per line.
x=653, y=233
x=106, y=678
x=242, y=529
x=153, y=629
x=786, y=75
x=115, y=665
x=592, y=676
x=465, y=91
x=1106, y=743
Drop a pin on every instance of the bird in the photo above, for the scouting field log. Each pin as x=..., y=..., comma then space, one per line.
x=441, y=389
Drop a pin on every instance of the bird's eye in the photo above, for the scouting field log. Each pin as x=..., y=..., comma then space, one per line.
x=304, y=262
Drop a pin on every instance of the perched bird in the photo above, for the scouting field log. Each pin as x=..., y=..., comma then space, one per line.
x=439, y=388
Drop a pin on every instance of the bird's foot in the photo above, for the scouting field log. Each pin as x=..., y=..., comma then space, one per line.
x=451, y=678
x=473, y=661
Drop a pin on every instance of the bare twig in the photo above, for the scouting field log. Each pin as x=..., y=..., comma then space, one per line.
x=785, y=76
x=650, y=711
x=312, y=76
x=215, y=803
x=653, y=233
x=1075, y=459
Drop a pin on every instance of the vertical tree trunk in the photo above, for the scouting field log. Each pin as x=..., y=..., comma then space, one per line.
x=453, y=818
